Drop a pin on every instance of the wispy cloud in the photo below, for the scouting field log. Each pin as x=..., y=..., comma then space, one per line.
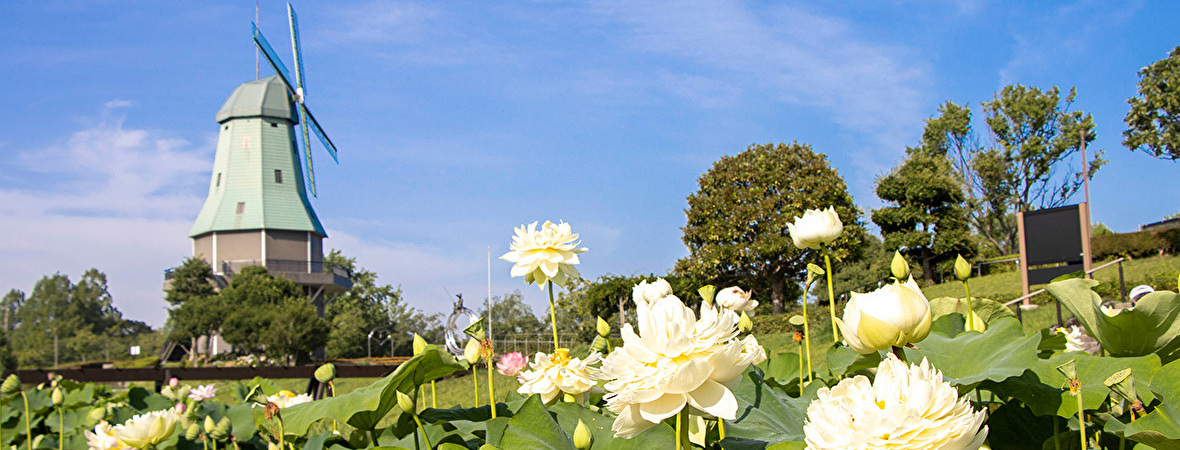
x=1043, y=39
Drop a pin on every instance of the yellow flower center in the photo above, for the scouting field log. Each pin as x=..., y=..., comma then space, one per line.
x=560, y=356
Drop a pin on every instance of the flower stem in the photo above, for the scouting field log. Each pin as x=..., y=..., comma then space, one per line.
x=61, y=429
x=1056, y=431
x=425, y=436
x=475, y=379
x=1081, y=417
x=491, y=387
x=553, y=315
x=801, y=368
x=970, y=310
x=721, y=428
x=831, y=296
x=807, y=339
x=682, y=430
x=28, y=429
x=433, y=395
x=899, y=353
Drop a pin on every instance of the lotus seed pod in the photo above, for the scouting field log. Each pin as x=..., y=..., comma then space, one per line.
x=222, y=430
x=600, y=344
x=796, y=320
x=57, y=397
x=813, y=272
x=326, y=373
x=10, y=386
x=419, y=344
x=209, y=424
x=405, y=402
x=899, y=267
x=603, y=328
x=962, y=268
x=745, y=324
x=582, y=437
x=192, y=432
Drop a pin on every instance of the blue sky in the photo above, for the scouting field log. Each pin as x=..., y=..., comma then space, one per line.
x=457, y=121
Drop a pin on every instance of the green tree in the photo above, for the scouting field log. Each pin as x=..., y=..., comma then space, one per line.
x=511, y=315
x=1029, y=167
x=261, y=318
x=368, y=306
x=63, y=321
x=926, y=216
x=1153, y=123
x=737, y=220
x=197, y=310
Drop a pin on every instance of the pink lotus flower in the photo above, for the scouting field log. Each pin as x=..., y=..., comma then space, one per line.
x=511, y=363
x=202, y=393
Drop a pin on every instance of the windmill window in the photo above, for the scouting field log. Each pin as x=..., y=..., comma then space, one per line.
x=218, y=184
x=241, y=207
x=274, y=125
x=278, y=176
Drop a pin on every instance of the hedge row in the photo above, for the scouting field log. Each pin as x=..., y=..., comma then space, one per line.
x=1137, y=244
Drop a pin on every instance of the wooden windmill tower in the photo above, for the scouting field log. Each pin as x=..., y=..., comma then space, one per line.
x=257, y=211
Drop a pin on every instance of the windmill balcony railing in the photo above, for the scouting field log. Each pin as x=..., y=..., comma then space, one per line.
x=285, y=265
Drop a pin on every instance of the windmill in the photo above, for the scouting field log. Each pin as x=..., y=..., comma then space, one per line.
x=297, y=90
x=257, y=212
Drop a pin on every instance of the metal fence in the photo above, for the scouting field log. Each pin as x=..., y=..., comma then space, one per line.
x=530, y=343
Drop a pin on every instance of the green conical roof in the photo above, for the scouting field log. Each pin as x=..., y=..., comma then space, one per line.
x=266, y=97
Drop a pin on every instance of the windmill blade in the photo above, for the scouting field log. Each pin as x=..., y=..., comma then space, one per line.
x=319, y=132
x=272, y=58
x=307, y=149
x=294, y=22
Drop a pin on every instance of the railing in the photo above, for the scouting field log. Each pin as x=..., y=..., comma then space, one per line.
x=1122, y=290
x=529, y=343
x=284, y=265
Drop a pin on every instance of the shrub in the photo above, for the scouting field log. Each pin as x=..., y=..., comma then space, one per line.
x=1136, y=244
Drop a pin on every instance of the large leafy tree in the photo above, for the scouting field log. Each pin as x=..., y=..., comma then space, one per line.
x=1031, y=164
x=1153, y=123
x=926, y=215
x=197, y=310
x=271, y=315
x=372, y=307
x=737, y=220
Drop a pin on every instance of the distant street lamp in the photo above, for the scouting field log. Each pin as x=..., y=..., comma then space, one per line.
x=369, y=345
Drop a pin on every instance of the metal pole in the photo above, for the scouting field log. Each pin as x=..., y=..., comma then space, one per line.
x=1122, y=283
x=489, y=302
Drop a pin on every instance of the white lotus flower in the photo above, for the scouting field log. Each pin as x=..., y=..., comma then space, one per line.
x=103, y=438
x=287, y=399
x=202, y=393
x=548, y=254
x=1076, y=340
x=147, y=429
x=816, y=228
x=552, y=375
x=907, y=407
x=892, y=316
x=650, y=292
x=734, y=298
x=675, y=361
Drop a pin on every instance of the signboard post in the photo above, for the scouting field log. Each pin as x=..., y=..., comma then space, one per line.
x=1058, y=239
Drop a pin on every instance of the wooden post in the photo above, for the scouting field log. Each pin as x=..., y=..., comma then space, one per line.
x=1084, y=212
x=1023, y=256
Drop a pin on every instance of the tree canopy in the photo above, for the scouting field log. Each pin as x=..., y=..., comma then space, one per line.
x=271, y=316
x=1153, y=123
x=370, y=306
x=737, y=220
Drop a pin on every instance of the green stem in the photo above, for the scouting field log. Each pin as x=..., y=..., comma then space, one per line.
x=475, y=379
x=283, y=434
x=721, y=428
x=1081, y=417
x=433, y=395
x=553, y=315
x=682, y=429
x=831, y=296
x=423, y=429
x=970, y=310
x=491, y=387
x=800, y=369
x=28, y=429
x=899, y=353
x=205, y=441
x=807, y=335
x=61, y=429
x=1056, y=431
x=373, y=436
x=214, y=444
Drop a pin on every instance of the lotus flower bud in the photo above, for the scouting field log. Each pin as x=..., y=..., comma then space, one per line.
x=602, y=328
x=97, y=414
x=192, y=432
x=405, y=402
x=893, y=316
x=173, y=382
x=419, y=344
x=650, y=292
x=707, y=292
x=10, y=386
x=471, y=351
x=326, y=373
x=582, y=437
x=180, y=408
x=600, y=344
x=273, y=446
x=816, y=228
x=222, y=430
x=962, y=268
x=57, y=397
x=209, y=424
x=735, y=298
x=899, y=267
x=745, y=324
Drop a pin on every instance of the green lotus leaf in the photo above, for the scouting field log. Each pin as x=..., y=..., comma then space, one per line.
x=783, y=368
x=533, y=428
x=988, y=310
x=842, y=360
x=364, y=407
x=1149, y=327
x=970, y=358
x=765, y=415
x=1041, y=386
x=660, y=436
x=1161, y=427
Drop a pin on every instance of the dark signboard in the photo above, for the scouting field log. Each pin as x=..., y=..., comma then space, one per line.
x=1053, y=236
